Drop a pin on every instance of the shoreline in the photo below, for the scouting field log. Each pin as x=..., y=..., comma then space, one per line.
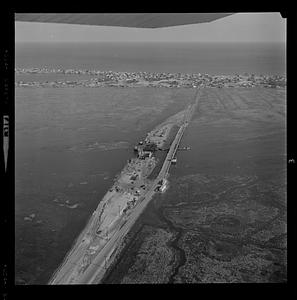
x=118, y=202
x=147, y=79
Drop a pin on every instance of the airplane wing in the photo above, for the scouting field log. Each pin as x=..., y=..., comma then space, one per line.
x=140, y=20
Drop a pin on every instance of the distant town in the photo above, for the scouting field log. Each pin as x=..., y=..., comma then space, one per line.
x=135, y=79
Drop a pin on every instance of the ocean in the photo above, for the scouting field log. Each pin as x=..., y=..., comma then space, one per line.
x=210, y=58
x=71, y=142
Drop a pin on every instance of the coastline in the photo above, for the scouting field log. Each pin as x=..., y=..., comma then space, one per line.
x=99, y=78
x=113, y=210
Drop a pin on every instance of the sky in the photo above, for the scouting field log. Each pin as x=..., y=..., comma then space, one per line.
x=240, y=27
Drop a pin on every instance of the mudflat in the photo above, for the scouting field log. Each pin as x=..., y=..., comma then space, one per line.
x=223, y=218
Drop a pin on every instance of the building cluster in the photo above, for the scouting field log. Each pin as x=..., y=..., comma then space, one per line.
x=133, y=79
x=247, y=80
x=145, y=149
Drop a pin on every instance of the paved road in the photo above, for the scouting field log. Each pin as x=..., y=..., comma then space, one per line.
x=96, y=269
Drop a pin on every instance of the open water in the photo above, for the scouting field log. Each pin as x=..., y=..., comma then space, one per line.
x=71, y=142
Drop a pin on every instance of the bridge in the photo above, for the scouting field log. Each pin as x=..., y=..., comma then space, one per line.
x=174, y=146
x=178, y=149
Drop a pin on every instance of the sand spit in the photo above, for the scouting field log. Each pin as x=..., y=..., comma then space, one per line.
x=129, y=187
